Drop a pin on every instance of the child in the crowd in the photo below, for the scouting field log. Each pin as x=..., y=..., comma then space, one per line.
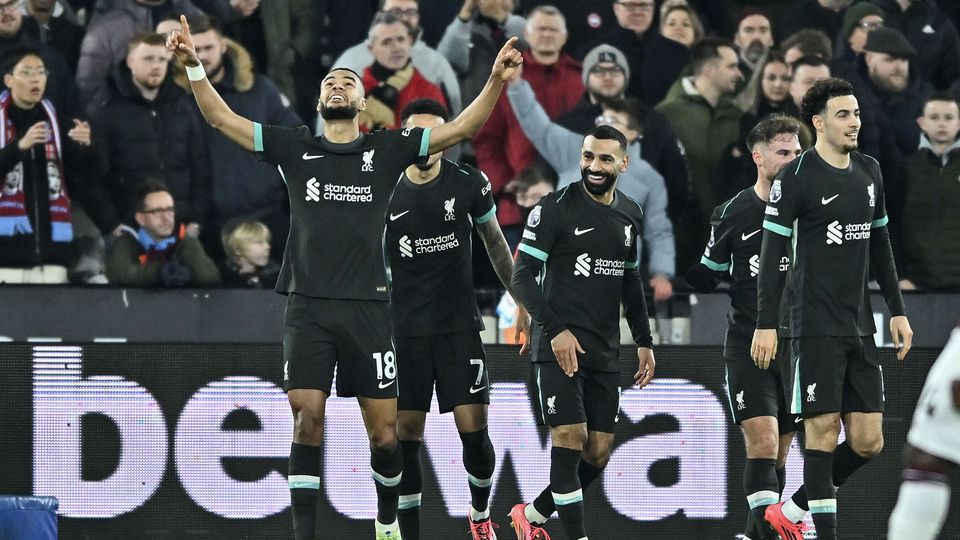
x=247, y=245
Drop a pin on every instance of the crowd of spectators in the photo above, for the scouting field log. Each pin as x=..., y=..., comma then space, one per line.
x=141, y=192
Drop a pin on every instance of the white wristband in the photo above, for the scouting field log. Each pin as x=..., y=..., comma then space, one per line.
x=196, y=73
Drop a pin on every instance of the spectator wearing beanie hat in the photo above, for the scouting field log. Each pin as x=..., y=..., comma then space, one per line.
x=858, y=21
x=606, y=73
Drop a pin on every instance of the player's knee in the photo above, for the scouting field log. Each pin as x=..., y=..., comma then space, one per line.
x=383, y=440
x=763, y=445
x=597, y=458
x=307, y=424
x=867, y=446
x=571, y=436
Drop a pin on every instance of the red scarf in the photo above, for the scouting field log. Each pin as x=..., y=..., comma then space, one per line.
x=14, y=216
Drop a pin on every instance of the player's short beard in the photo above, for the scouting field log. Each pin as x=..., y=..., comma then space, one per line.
x=595, y=189
x=347, y=112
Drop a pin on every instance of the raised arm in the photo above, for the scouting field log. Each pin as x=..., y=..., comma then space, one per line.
x=469, y=122
x=215, y=111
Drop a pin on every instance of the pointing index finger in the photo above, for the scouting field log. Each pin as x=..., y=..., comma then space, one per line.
x=185, y=25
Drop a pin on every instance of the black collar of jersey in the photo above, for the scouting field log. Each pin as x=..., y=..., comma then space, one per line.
x=343, y=148
x=848, y=170
x=444, y=165
x=581, y=188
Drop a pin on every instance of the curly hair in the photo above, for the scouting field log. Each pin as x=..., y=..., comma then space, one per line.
x=815, y=100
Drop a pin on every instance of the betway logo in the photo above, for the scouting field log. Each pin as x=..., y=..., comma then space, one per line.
x=198, y=445
x=837, y=233
x=405, y=250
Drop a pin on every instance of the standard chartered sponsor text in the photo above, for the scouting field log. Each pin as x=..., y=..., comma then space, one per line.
x=341, y=193
x=436, y=244
x=607, y=267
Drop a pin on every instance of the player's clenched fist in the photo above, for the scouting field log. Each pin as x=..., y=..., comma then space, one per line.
x=508, y=60
x=180, y=44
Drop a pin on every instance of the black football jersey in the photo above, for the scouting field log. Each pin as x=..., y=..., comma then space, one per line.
x=829, y=213
x=736, y=234
x=428, y=245
x=586, y=249
x=338, y=197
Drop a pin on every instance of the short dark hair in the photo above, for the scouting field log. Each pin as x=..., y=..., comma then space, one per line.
x=15, y=55
x=815, y=100
x=608, y=133
x=629, y=106
x=204, y=23
x=812, y=61
x=706, y=50
x=768, y=128
x=811, y=43
x=941, y=95
x=424, y=106
x=147, y=38
x=750, y=12
x=146, y=188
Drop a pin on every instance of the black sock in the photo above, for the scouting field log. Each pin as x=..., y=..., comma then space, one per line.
x=782, y=479
x=586, y=472
x=411, y=485
x=304, y=482
x=750, y=529
x=567, y=493
x=845, y=463
x=479, y=459
x=760, y=485
x=387, y=472
x=818, y=482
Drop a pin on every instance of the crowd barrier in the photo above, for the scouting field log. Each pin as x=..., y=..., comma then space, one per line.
x=104, y=314
x=179, y=441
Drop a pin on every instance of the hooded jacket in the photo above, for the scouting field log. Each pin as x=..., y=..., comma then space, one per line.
x=140, y=140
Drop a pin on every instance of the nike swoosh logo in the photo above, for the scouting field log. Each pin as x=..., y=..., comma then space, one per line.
x=746, y=237
x=382, y=386
x=394, y=217
x=308, y=157
x=578, y=232
x=475, y=390
x=825, y=201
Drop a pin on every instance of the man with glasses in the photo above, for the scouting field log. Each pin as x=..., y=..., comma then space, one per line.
x=431, y=64
x=655, y=61
x=605, y=75
x=36, y=231
x=158, y=252
x=15, y=32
